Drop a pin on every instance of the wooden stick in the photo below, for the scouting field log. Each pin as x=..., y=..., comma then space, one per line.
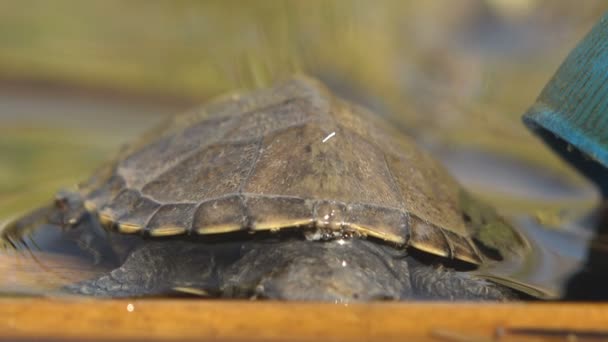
x=215, y=320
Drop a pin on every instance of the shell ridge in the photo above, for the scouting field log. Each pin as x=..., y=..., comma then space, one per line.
x=291, y=100
x=269, y=132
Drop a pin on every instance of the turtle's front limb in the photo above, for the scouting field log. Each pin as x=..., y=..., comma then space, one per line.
x=155, y=268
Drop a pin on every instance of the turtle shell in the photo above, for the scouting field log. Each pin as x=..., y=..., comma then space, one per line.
x=289, y=156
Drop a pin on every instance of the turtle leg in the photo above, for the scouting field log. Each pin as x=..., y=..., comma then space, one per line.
x=155, y=268
x=336, y=271
x=440, y=283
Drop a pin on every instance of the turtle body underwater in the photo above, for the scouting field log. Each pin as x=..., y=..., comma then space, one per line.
x=285, y=193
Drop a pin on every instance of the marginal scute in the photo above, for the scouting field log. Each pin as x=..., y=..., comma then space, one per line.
x=168, y=231
x=103, y=195
x=463, y=248
x=171, y=219
x=389, y=224
x=90, y=206
x=107, y=219
x=129, y=227
x=135, y=220
x=222, y=215
x=121, y=205
x=274, y=213
x=428, y=238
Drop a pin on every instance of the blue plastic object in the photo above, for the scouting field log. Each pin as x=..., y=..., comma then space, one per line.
x=571, y=113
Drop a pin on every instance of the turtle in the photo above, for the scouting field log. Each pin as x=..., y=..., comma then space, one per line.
x=288, y=192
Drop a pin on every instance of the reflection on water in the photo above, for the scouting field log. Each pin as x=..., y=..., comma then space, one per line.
x=36, y=248
x=31, y=273
x=512, y=177
x=554, y=256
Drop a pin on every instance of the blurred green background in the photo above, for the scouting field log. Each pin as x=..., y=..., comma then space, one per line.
x=77, y=79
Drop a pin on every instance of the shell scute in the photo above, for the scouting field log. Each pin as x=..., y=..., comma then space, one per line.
x=220, y=215
x=171, y=219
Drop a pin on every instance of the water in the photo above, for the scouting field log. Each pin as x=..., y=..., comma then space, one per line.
x=456, y=80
